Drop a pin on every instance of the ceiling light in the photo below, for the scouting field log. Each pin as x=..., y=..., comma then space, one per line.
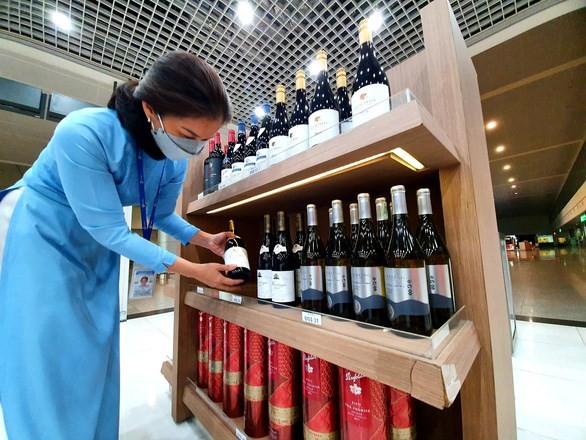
x=406, y=159
x=500, y=148
x=62, y=21
x=314, y=68
x=259, y=112
x=375, y=21
x=244, y=12
x=507, y=167
x=513, y=186
x=516, y=193
x=491, y=125
x=511, y=179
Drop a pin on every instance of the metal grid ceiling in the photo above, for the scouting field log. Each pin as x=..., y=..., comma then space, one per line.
x=127, y=36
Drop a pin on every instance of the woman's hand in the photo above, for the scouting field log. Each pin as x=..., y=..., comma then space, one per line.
x=214, y=242
x=212, y=274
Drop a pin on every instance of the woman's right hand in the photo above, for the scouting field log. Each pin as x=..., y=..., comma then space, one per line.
x=212, y=274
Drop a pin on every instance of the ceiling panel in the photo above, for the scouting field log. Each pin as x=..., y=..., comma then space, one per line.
x=520, y=206
x=542, y=188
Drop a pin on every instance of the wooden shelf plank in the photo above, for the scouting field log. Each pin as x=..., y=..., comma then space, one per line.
x=167, y=371
x=409, y=126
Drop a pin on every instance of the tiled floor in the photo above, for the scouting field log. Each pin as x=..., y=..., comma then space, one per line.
x=549, y=369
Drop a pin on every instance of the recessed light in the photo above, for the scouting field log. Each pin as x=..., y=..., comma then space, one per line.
x=511, y=179
x=500, y=149
x=490, y=125
x=516, y=193
x=375, y=21
x=507, y=167
x=244, y=12
x=513, y=186
x=62, y=21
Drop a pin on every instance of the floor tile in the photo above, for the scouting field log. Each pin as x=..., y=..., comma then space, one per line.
x=164, y=322
x=139, y=334
x=582, y=332
x=528, y=435
x=555, y=334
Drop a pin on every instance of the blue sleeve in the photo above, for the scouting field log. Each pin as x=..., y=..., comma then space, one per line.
x=91, y=192
x=166, y=218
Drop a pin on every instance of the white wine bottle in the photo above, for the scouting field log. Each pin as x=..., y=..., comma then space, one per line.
x=313, y=266
x=265, y=264
x=283, y=265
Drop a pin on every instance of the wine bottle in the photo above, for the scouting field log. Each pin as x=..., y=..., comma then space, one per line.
x=262, y=139
x=320, y=398
x=405, y=277
x=354, y=225
x=284, y=397
x=313, y=262
x=370, y=91
x=233, y=401
x=437, y=263
x=256, y=414
x=250, y=155
x=343, y=101
x=239, y=150
x=216, y=359
x=279, y=135
x=299, y=131
x=338, y=256
x=324, y=118
x=228, y=156
x=401, y=414
x=202, y=350
x=298, y=253
x=235, y=253
x=264, y=274
x=216, y=160
x=383, y=231
x=283, y=265
x=206, y=167
x=368, y=287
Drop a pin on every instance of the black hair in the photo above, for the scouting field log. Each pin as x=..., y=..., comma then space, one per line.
x=177, y=84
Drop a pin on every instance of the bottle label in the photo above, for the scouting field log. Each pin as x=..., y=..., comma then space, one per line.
x=299, y=135
x=249, y=139
x=368, y=288
x=264, y=283
x=262, y=154
x=323, y=125
x=346, y=126
x=260, y=132
x=369, y=102
x=338, y=285
x=264, y=249
x=312, y=283
x=226, y=174
x=440, y=286
x=215, y=173
x=407, y=291
x=237, y=168
x=278, y=144
x=249, y=161
x=237, y=255
x=298, y=288
x=283, y=286
x=279, y=248
x=297, y=248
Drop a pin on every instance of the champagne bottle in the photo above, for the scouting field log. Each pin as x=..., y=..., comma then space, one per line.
x=283, y=277
x=299, y=131
x=228, y=156
x=207, y=168
x=368, y=288
x=235, y=253
x=343, y=101
x=383, y=231
x=264, y=274
x=405, y=277
x=437, y=263
x=256, y=414
x=370, y=97
x=353, y=225
x=262, y=139
x=338, y=256
x=298, y=252
x=324, y=118
x=250, y=154
x=239, y=150
x=279, y=135
x=313, y=266
x=233, y=402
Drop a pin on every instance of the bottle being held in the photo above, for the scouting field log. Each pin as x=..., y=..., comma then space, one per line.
x=324, y=118
x=299, y=131
x=354, y=224
x=437, y=263
x=283, y=265
x=313, y=266
x=279, y=135
x=405, y=276
x=239, y=150
x=383, y=231
x=235, y=253
x=368, y=287
x=298, y=252
x=343, y=101
x=228, y=156
x=338, y=255
x=262, y=139
x=370, y=92
x=206, y=167
x=216, y=160
x=264, y=274
x=250, y=154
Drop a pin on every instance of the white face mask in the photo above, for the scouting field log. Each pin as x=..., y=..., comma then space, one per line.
x=175, y=147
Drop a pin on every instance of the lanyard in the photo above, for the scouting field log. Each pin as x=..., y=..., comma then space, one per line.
x=147, y=228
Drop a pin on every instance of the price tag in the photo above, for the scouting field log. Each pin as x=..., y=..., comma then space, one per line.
x=199, y=290
x=200, y=196
x=311, y=318
x=240, y=435
x=237, y=299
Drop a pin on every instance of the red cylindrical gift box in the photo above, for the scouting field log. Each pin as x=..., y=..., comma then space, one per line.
x=320, y=399
x=284, y=395
x=363, y=407
x=216, y=359
x=256, y=416
x=402, y=414
x=233, y=370
x=202, y=350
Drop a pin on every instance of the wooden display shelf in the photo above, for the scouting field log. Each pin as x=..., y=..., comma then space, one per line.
x=408, y=126
x=431, y=369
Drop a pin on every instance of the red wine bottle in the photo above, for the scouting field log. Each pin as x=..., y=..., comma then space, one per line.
x=298, y=253
x=256, y=414
x=265, y=264
x=216, y=359
x=371, y=91
x=320, y=399
x=401, y=414
x=324, y=118
x=207, y=169
x=262, y=139
x=250, y=152
x=283, y=265
x=299, y=131
x=383, y=231
x=228, y=156
x=438, y=264
x=405, y=277
x=354, y=225
x=279, y=135
x=216, y=160
x=233, y=370
x=235, y=253
x=239, y=150
x=313, y=261
x=203, y=350
x=343, y=101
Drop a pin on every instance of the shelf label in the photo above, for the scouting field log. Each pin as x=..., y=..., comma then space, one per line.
x=311, y=318
x=225, y=296
x=237, y=299
x=240, y=435
x=200, y=196
x=199, y=290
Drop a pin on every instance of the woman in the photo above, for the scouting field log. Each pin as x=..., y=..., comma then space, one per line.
x=59, y=311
